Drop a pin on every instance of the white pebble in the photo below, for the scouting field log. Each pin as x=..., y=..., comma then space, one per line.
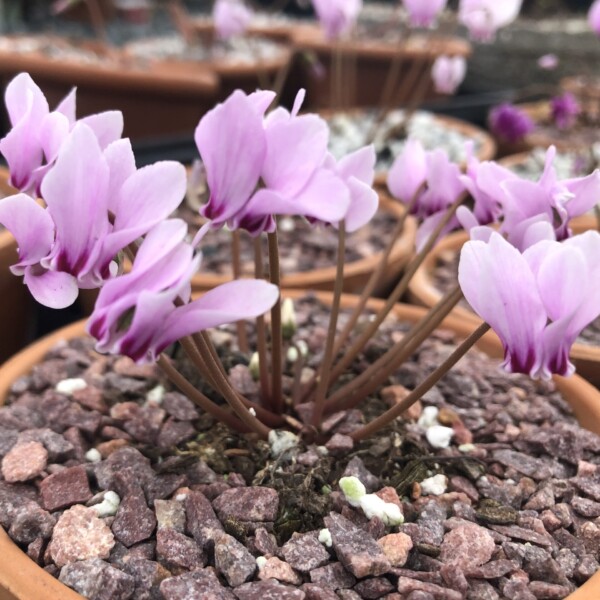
x=428, y=417
x=109, y=506
x=464, y=448
x=439, y=436
x=68, y=386
x=434, y=486
x=325, y=537
x=292, y=354
x=92, y=455
x=281, y=441
x=156, y=394
x=252, y=411
x=261, y=561
x=181, y=497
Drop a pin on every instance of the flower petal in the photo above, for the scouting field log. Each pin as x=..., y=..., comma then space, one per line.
x=409, y=171
x=32, y=227
x=75, y=190
x=232, y=144
x=501, y=288
x=108, y=126
x=51, y=288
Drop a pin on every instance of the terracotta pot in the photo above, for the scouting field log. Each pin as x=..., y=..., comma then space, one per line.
x=278, y=30
x=17, y=307
x=247, y=76
x=80, y=12
x=422, y=290
x=25, y=580
x=356, y=274
x=367, y=64
x=156, y=99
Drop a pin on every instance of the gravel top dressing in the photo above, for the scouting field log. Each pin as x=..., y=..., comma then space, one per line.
x=122, y=489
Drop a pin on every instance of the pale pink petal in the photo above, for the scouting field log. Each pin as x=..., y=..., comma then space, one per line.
x=586, y=194
x=51, y=288
x=108, y=126
x=232, y=145
x=24, y=98
x=68, y=107
x=359, y=164
x=53, y=132
x=296, y=147
x=121, y=163
x=31, y=226
x=409, y=171
x=75, y=192
x=364, y=202
x=501, y=288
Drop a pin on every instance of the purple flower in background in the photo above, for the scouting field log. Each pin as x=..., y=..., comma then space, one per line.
x=564, y=110
x=231, y=18
x=537, y=301
x=549, y=62
x=509, y=123
x=286, y=151
x=97, y=204
x=448, y=72
x=136, y=314
x=483, y=18
x=337, y=17
x=423, y=13
x=32, y=145
x=594, y=17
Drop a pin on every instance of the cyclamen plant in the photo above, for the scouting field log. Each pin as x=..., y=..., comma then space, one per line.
x=95, y=208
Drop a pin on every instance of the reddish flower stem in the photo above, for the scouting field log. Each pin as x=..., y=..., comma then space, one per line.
x=387, y=417
x=237, y=273
x=369, y=381
x=375, y=277
x=276, y=330
x=261, y=330
x=323, y=379
x=198, y=397
x=396, y=294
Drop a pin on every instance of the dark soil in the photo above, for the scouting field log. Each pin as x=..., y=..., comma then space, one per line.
x=445, y=276
x=516, y=516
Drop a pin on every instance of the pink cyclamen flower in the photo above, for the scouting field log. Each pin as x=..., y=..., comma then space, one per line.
x=32, y=145
x=556, y=202
x=337, y=17
x=537, y=301
x=548, y=62
x=594, y=17
x=97, y=204
x=286, y=151
x=423, y=13
x=231, y=18
x=483, y=18
x=136, y=314
x=564, y=110
x=448, y=72
x=509, y=123
x=434, y=178
x=483, y=181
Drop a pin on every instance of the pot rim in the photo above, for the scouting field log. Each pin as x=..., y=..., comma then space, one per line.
x=422, y=287
x=403, y=248
x=310, y=36
x=156, y=76
x=25, y=580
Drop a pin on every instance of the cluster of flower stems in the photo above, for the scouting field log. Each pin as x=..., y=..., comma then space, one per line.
x=341, y=349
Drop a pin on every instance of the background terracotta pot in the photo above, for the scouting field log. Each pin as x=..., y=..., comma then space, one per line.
x=22, y=579
x=365, y=64
x=247, y=76
x=157, y=99
x=356, y=274
x=423, y=290
x=16, y=306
